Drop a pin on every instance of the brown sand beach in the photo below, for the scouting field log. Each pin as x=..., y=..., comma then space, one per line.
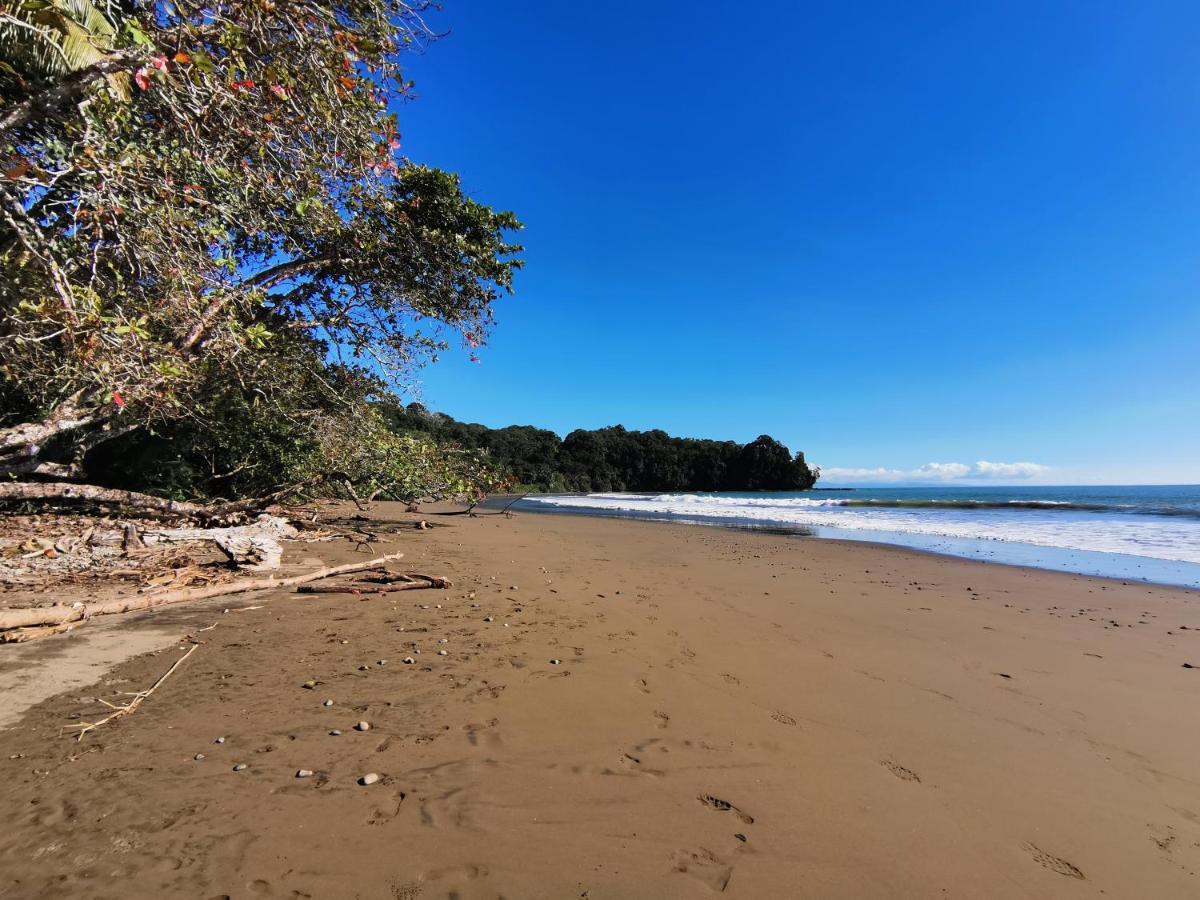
x=624, y=709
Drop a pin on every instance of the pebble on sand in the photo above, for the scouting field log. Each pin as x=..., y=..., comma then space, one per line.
x=328, y=703
x=369, y=778
x=363, y=726
x=198, y=757
x=408, y=660
x=240, y=766
x=219, y=740
x=304, y=773
x=442, y=653
x=556, y=662
x=334, y=733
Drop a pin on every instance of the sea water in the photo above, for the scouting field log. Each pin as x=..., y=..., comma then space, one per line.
x=1149, y=533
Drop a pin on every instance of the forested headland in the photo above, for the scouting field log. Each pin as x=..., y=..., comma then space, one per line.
x=615, y=459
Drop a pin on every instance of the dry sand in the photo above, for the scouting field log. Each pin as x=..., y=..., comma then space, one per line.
x=732, y=712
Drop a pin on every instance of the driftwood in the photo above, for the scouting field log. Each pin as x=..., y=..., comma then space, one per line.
x=378, y=585
x=138, y=697
x=62, y=615
x=69, y=492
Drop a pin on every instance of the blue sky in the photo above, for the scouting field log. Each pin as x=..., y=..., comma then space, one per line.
x=891, y=235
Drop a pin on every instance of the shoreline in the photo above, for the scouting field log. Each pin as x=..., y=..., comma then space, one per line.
x=1090, y=563
x=632, y=710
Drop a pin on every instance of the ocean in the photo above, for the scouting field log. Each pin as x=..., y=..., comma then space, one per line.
x=1149, y=533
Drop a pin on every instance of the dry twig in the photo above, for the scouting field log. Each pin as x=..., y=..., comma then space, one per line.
x=132, y=705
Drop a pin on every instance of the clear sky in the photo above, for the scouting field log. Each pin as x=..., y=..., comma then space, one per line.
x=891, y=235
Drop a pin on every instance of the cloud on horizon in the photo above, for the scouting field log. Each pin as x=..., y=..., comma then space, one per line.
x=940, y=472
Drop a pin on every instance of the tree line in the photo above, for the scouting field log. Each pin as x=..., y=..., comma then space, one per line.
x=614, y=458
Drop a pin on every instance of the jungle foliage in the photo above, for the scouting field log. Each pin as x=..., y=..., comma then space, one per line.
x=614, y=459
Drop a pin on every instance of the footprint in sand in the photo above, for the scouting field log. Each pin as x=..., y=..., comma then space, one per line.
x=731, y=679
x=705, y=866
x=1053, y=863
x=783, y=718
x=642, y=685
x=725, y=806
x=663, y=719
x=900, y=772
x=384, y=813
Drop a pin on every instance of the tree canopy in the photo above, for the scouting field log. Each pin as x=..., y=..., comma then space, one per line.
x=614, y=459
x=206, y=218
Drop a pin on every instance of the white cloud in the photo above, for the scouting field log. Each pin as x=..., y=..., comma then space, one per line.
x=939, y=472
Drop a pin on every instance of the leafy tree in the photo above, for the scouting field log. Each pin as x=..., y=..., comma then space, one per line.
x=202, y=201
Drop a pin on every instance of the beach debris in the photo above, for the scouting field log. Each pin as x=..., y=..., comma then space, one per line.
x=304, y=773
x=384, y=583
x=1189, y=666
x=369, y=778
x=199, y=756
x=363, y=726
x=240, y=767
x=136, y=701
x=62, y=614
x=408, y=660
x=219, y=740
x=327, y=703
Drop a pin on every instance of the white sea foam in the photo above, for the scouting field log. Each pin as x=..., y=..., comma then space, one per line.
x=1112, y=532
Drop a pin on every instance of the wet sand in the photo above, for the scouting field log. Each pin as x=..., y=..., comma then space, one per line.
x=731, y=712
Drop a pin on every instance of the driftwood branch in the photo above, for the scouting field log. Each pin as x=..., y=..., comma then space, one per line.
x=138, y=697
x=62, y=615
x=63, y=492
x=384, y=585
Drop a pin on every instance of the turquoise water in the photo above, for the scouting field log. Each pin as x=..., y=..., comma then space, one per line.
x=1143, y=532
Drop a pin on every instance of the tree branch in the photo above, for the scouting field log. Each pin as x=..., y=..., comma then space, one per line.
x=66, y=91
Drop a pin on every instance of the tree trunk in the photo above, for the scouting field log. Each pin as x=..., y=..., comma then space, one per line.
x=26, y=440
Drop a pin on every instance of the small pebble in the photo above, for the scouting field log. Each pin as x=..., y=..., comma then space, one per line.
x=442, y=653
x=219, y=740
x=369, y=778
x=364, y=668
x=309, y=684
x=382, y=662
x=443, y=641
x=408, y=660
x=239, y=767
x=304, y=773
x=555, y=662
x=363, y=726
x=328, y=703
x=489, y=619
x=335, y=732
x=198, y=757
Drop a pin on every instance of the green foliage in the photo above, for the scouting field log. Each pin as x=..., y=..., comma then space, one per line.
x=219, y=243
x=614, y=459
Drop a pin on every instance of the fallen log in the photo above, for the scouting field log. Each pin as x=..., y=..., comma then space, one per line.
x=61, y=615
x=61, y=491
x=374, y=586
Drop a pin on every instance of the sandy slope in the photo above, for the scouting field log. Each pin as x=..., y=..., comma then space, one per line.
x=737, y=712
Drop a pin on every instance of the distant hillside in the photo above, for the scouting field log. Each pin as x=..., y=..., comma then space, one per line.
x=614, y=459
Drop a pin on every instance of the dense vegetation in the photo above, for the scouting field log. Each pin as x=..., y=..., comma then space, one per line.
x=214, y=259
x=614, y=459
